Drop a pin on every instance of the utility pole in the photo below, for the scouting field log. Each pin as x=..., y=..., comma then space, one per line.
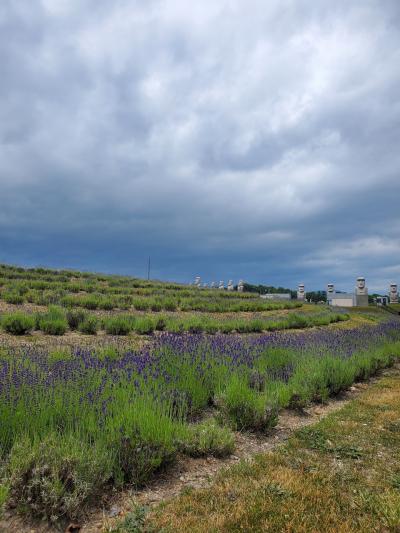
x=148, y=269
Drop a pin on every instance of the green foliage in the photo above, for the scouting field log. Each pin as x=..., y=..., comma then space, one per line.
x=144, y=325
x=119, y=325
x=245, y=408
x=17, y=323
x=13, y=297
x=206, y=438
x=133, y=522
x=89, y=326
x=3, y=496
x=57, y=476
x=61, y=354
x=75, y=318
x=53, y=322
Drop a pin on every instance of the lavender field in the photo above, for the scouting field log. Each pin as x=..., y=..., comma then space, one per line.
x=78, y=422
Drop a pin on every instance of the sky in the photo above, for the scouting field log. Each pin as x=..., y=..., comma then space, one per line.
x=227, y=139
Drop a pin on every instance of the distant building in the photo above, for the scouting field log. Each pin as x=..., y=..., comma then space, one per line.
x=382, y=300
x=342, y=299
x=276, y=296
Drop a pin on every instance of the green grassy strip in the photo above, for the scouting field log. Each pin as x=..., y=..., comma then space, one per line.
x=342, y=474
x=56, y=322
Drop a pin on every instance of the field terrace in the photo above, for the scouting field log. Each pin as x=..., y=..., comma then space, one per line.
x=81, y=420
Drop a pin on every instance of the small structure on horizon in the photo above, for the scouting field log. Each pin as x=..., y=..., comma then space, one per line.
x=342, y=299
x=276, y=296
x=197, y=281
x=393, y=293
x=230, y=285
x=213, y=284
x=221, y=285
x=382, y=301
x=240, y=286
x=301, y=294
x=361, y=292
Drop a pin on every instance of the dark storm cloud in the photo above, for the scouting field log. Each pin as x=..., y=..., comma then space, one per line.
x=225, y=139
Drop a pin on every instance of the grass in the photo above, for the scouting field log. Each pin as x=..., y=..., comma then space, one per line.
x=77, y=424
x=341, y=474
x=113, y=419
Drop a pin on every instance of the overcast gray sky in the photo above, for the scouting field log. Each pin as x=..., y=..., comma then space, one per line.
x=226, y=139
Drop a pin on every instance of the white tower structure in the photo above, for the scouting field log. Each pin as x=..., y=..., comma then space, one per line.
x=330, y=291
x=240, y=287
x=361, y=292
x=197, y=281
x=230, y=285
x=393, y=294
x=301, y=294
x=221, y=285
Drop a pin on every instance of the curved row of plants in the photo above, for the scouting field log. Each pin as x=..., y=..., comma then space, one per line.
x=56, y=321
x=210, y=304
x=20, y=280
x=76, y=424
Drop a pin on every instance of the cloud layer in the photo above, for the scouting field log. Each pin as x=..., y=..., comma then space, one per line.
x=225, y=139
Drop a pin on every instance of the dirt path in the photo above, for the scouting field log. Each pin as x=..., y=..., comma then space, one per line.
x=198, y=473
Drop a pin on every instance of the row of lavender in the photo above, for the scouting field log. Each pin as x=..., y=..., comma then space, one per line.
x=115, y=417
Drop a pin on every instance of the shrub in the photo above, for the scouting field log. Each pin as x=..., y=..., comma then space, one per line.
x=144, y=326
x=143, y=439
x=210, y=327
x=141, y=305
x=17, y=323
x=194, y=325
x=53, y=322
x=170, y=305
x=206, y=438
x=156, y=306
x=297, y=321
x=57, y=477
x=75, y=317
x=89, y=325
x=90, y=302
x=13, y=298
x=118, y=325
x=161, y=323
x=57, y=326
x=107, y=304
x=245, y=408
